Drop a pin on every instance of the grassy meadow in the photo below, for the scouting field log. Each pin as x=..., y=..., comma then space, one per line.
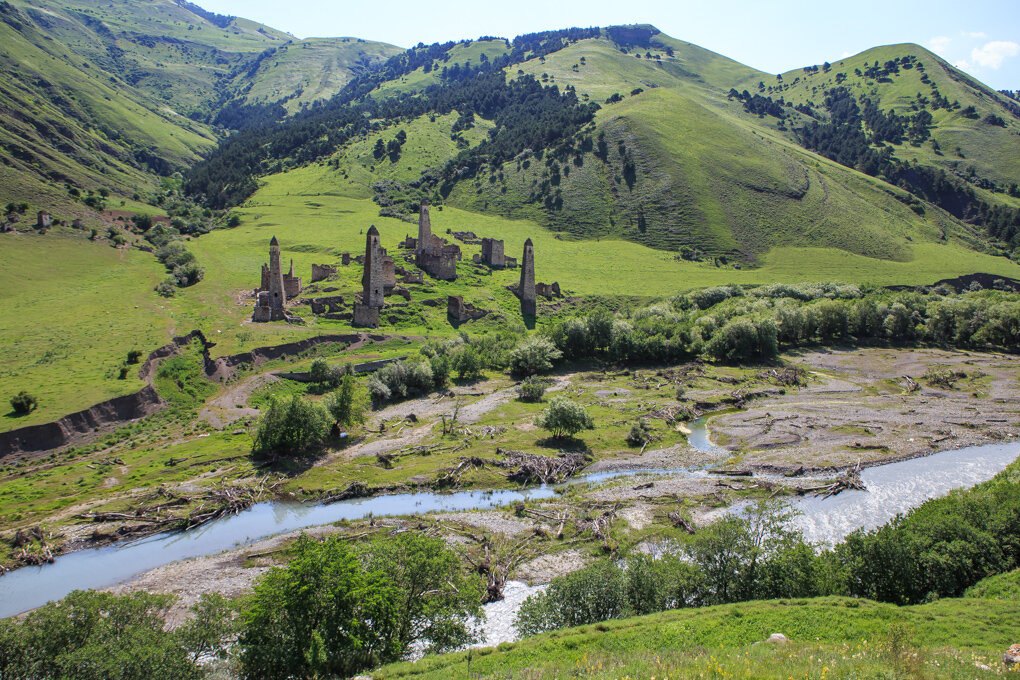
x=830, y=637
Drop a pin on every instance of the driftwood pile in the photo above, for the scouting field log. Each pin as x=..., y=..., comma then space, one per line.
x=23, y=539
x=495, y=558
x=159, y=517
x=530, y=468
x=595, y=520
x=522, y=468
x=849, y=479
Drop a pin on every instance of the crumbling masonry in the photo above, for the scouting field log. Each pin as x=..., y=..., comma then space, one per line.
x=432, y=254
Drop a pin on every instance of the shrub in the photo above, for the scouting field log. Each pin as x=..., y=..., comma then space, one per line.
x=531, y=389
x=332, y=612
x=134, y=356
x=167, y=287
x=639, y=433
x=440, y=364
x=468, y=364
x=100, y=635
x=23, y=403
x=595, y=593
x=744, y=340
x=347, y=404
x=533, y=355
x=564, y=418
x=319, y=371
x=188, y=274
x=290, y=427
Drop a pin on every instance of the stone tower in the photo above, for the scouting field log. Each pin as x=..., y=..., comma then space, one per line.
x=277, y=294
x=526, y=290
x=372, y=279
x=272, y=296
x=366, y=312
x=424, y=229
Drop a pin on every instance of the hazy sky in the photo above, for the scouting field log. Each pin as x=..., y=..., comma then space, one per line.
x=981, y=36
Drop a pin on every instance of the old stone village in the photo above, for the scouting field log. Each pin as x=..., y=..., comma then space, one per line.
x=429, y=253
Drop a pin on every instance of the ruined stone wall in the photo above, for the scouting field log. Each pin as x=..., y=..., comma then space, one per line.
x=291, y=286
x=389, y=272
x=492, y=253
x=321, y=272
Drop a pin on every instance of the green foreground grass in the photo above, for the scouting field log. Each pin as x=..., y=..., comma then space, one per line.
x=829, y=638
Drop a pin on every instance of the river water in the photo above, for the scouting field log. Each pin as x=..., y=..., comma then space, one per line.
x=892, y=489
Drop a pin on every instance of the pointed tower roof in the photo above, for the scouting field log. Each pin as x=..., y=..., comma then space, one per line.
x=528, y=243
x=274, y=242
x=372, y=231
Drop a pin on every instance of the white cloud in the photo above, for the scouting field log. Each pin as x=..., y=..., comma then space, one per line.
x=939, y=43
x=845, y=55
x=962, y=65
x=992, y=54
x=974, y=34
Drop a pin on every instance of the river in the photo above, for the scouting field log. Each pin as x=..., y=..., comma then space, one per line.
x=892, y=489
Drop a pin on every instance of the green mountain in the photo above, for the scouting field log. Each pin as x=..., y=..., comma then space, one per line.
x=115, y=94
x=689, y=150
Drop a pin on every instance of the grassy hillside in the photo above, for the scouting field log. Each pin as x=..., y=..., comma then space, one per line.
x=65, y=120
x=829, y=637
x=172, y=53
x=315, y=69
x=963, y=140
x=704, y=173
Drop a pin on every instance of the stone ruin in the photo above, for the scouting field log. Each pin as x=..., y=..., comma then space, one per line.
x=345, y=259
x=366, y=311
x=433, y=254
x=458, y=310
x=468, y=237
x=43, y=220
x=389, y=272
x=77, y=223
x=548, y=290
x=271, y=297
x=291, y=283
x=322, y=272
x=492, y=253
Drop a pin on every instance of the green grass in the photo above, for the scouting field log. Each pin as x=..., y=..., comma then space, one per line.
x=72, y=310
x=1000, y=587
x=830, y=637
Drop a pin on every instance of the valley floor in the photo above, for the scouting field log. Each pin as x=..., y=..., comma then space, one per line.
x=853, y=406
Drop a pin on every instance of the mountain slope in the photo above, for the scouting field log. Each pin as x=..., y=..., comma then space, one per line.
x=64, y=120
x=303, y=72
x=907, y=79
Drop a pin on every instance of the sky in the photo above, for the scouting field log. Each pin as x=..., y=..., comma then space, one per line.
x=981, y=37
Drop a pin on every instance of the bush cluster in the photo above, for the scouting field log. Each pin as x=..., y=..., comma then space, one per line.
x=939, y=549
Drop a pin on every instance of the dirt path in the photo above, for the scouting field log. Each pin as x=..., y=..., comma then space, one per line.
x=232, y=405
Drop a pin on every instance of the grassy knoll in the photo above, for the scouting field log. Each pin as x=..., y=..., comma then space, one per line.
x=830, y=637
x=72, y=310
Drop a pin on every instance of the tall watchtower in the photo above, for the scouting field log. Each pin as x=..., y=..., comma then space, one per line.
x=526, y=289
